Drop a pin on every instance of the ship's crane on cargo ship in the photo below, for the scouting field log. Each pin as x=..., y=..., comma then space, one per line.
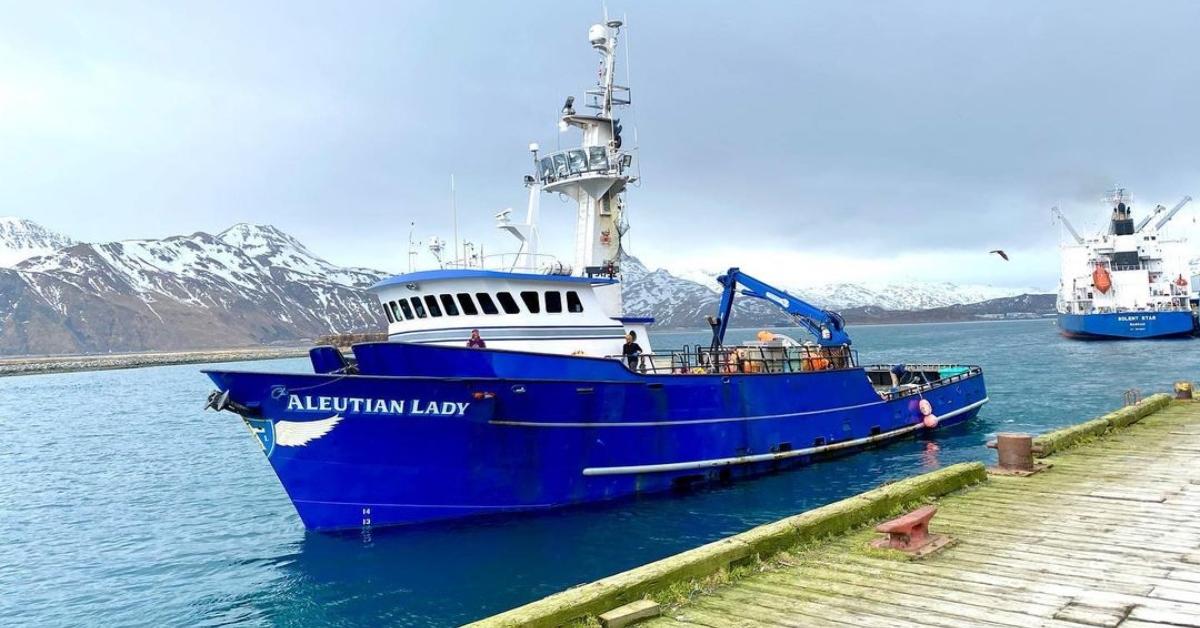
x=1066, y=223
x=1171, y=214
x=828, y=327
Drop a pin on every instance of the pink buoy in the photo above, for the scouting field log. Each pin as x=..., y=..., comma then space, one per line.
x=930, y=421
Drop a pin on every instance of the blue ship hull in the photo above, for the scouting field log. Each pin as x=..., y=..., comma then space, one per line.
x=1127, y=325
x=479, y=432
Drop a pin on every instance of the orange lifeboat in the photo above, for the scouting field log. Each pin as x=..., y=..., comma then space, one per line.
x=1101, y=279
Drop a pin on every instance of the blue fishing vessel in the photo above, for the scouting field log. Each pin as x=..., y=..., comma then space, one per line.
x=1129, y=282
x=560, y=398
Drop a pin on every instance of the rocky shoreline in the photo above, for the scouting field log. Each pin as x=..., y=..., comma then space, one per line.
x=33, y=365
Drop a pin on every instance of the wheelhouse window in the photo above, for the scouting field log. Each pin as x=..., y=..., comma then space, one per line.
x=508, y=303
x=387, y=310
x=486, y=304
x=405, y=310
x=553, y=302
x=467, y=305
x=574, y=305
x=530, y=298
x=448, y=305
x=417, y=307
x=432, y=305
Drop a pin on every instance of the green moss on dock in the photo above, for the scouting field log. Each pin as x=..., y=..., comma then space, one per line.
x=678, y=578
x=1072, y=436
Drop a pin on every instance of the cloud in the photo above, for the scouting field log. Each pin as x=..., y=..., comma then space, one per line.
x=910, y=135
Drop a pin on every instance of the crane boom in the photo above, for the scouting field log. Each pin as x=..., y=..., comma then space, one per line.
x=1171, y=214
x=1145, y=221
x=1067, y=223
x=828, y=327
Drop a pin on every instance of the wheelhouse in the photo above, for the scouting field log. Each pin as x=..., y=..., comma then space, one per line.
x=519, y=311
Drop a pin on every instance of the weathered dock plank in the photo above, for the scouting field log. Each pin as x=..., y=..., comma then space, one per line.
x=1109, y=536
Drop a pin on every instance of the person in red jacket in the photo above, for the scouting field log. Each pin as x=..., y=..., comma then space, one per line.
x=475, y=341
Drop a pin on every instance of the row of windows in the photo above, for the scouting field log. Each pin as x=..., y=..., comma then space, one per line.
x=463, y=303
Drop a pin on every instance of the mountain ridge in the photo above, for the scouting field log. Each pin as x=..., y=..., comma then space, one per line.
x=247, y=285
x=21, y=239
x=255, y=284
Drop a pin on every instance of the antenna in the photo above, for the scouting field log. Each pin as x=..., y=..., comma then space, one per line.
x=454, y=214
x=412, y=246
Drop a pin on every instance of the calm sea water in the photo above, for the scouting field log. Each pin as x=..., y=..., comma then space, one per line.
x=122, y=503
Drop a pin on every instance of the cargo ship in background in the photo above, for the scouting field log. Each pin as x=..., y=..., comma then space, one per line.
x=1131, y=282
x=551, y=405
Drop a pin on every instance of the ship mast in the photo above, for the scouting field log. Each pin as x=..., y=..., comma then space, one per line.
x=596, y=174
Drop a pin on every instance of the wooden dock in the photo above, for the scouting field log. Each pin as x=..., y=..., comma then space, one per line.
x=1110, y=536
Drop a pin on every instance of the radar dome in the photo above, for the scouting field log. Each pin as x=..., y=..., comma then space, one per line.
x=598, y=35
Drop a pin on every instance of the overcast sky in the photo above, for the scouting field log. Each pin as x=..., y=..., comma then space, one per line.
x=809, y=142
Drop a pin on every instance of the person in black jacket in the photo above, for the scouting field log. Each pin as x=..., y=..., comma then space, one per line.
x=632, y=351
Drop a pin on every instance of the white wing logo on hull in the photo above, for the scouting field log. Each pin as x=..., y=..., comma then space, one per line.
x=301, y=433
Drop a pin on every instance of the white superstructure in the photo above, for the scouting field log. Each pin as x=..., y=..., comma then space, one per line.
x=1129, y=268
x=527, y=300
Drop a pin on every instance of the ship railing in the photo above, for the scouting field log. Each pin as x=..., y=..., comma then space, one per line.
x=918, y=378
x=542, y=263
x=619, y=95
x=701, y=359
x=1162, y=306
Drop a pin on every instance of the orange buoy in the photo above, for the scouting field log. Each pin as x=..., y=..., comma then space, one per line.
x=1181, y=282
x=928, y=418
x=1101, y=279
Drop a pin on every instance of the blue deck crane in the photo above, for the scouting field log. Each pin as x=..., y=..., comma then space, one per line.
x=827, y=327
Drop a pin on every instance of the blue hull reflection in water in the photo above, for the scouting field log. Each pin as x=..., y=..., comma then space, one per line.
x=124, y=503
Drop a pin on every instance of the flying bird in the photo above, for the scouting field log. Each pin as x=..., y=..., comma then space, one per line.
x=1000, y=253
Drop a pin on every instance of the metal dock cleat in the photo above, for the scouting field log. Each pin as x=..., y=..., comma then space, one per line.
x=909, y=533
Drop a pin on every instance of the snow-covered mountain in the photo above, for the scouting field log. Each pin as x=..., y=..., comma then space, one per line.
x=906, y=295
x=677, y=302
x=254, y=284
x=683, y=300
x=911, y=295
x=250, y=284
x=22, y=239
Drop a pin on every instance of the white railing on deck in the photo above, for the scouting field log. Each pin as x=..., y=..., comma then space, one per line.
x=542, y=264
